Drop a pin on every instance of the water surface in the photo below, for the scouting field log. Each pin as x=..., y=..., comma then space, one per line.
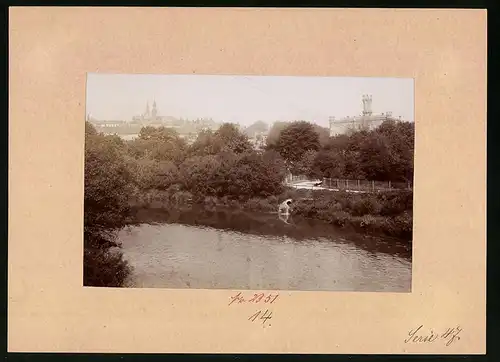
x=239, y=250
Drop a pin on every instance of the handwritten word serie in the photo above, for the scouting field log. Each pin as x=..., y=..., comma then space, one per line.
x=262, y=298
x=419, y=335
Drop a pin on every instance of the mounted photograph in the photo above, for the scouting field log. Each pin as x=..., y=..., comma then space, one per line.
x=249, y=182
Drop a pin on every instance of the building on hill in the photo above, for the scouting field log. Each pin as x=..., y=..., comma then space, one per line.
x=151, y=118
x=366, y=121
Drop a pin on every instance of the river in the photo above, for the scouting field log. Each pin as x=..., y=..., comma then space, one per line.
x=223, y=249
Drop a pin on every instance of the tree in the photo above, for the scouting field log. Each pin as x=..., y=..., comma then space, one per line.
x=296, y=139
x=228, y=138
x=204, y=144
x=305, y=165
x=257, y=175
x=107, y=184
x=328, y=163
x=274, y=133
x=196, y=173
x=153, y=174
x=375, y=157
x=401, y=144
x=161, y=144
x=323, y=134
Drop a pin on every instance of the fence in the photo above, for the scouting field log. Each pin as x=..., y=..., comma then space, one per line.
x=365, y=185
x=299, y=178
x=352, y=185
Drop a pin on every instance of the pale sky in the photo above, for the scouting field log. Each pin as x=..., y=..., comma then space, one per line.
x=246, y=99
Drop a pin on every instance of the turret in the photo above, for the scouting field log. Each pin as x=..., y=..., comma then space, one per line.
x=367, y=104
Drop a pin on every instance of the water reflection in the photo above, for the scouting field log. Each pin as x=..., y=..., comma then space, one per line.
x=297, y=229
x=284, y=217
x=220, y=249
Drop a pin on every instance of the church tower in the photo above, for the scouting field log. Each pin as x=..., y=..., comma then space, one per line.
x=154, y=111
x=146, y=115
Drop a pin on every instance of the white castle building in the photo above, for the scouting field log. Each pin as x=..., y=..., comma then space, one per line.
x=366, y=121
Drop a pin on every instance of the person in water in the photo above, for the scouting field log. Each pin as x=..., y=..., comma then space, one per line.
x=284, y=207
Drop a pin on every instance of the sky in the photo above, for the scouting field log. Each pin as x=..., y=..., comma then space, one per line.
x=245, y=99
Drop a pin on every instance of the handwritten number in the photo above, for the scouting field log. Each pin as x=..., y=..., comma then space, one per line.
x=276, y=297
x=266, y=316
x=254, y=317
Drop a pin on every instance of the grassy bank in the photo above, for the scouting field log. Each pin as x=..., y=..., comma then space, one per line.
x=388, y=214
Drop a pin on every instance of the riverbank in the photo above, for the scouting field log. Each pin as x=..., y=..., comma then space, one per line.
x=379, y=214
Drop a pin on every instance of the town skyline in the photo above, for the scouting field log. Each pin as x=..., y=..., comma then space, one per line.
x=245, y=99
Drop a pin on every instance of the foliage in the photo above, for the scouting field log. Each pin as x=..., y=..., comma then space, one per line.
x=205, y=144
x=383, y=154
x=323, y=134
x=228, y=174
x=296, y=139
x=226, y=139
x=305, y=165
x=107, y=185
x=152, y=174
x=161, y=144
x=230, y=139
x=104, y=268
x=274, y=133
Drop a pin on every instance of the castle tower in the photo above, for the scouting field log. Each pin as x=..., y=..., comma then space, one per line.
x=147, y=110
x=367, y=104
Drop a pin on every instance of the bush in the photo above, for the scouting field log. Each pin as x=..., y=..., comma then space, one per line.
x=365, y=205
x=181, y=198
x=239, y=176
x=259, y=204
x=108, y=185
x=105, y=268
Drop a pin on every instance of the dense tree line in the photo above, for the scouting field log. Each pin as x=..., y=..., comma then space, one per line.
x=382, y=154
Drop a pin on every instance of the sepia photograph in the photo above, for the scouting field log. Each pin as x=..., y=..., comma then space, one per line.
x=249, y=182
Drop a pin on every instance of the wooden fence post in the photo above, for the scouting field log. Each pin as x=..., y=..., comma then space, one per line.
x=389, y=185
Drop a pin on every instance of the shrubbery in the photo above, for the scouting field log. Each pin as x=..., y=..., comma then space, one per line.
x=382, y=213
x=108, y=183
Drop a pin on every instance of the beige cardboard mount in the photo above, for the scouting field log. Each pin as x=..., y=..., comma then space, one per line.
x=52, y=50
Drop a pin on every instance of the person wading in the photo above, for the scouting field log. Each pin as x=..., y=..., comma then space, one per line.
x=284, y=207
